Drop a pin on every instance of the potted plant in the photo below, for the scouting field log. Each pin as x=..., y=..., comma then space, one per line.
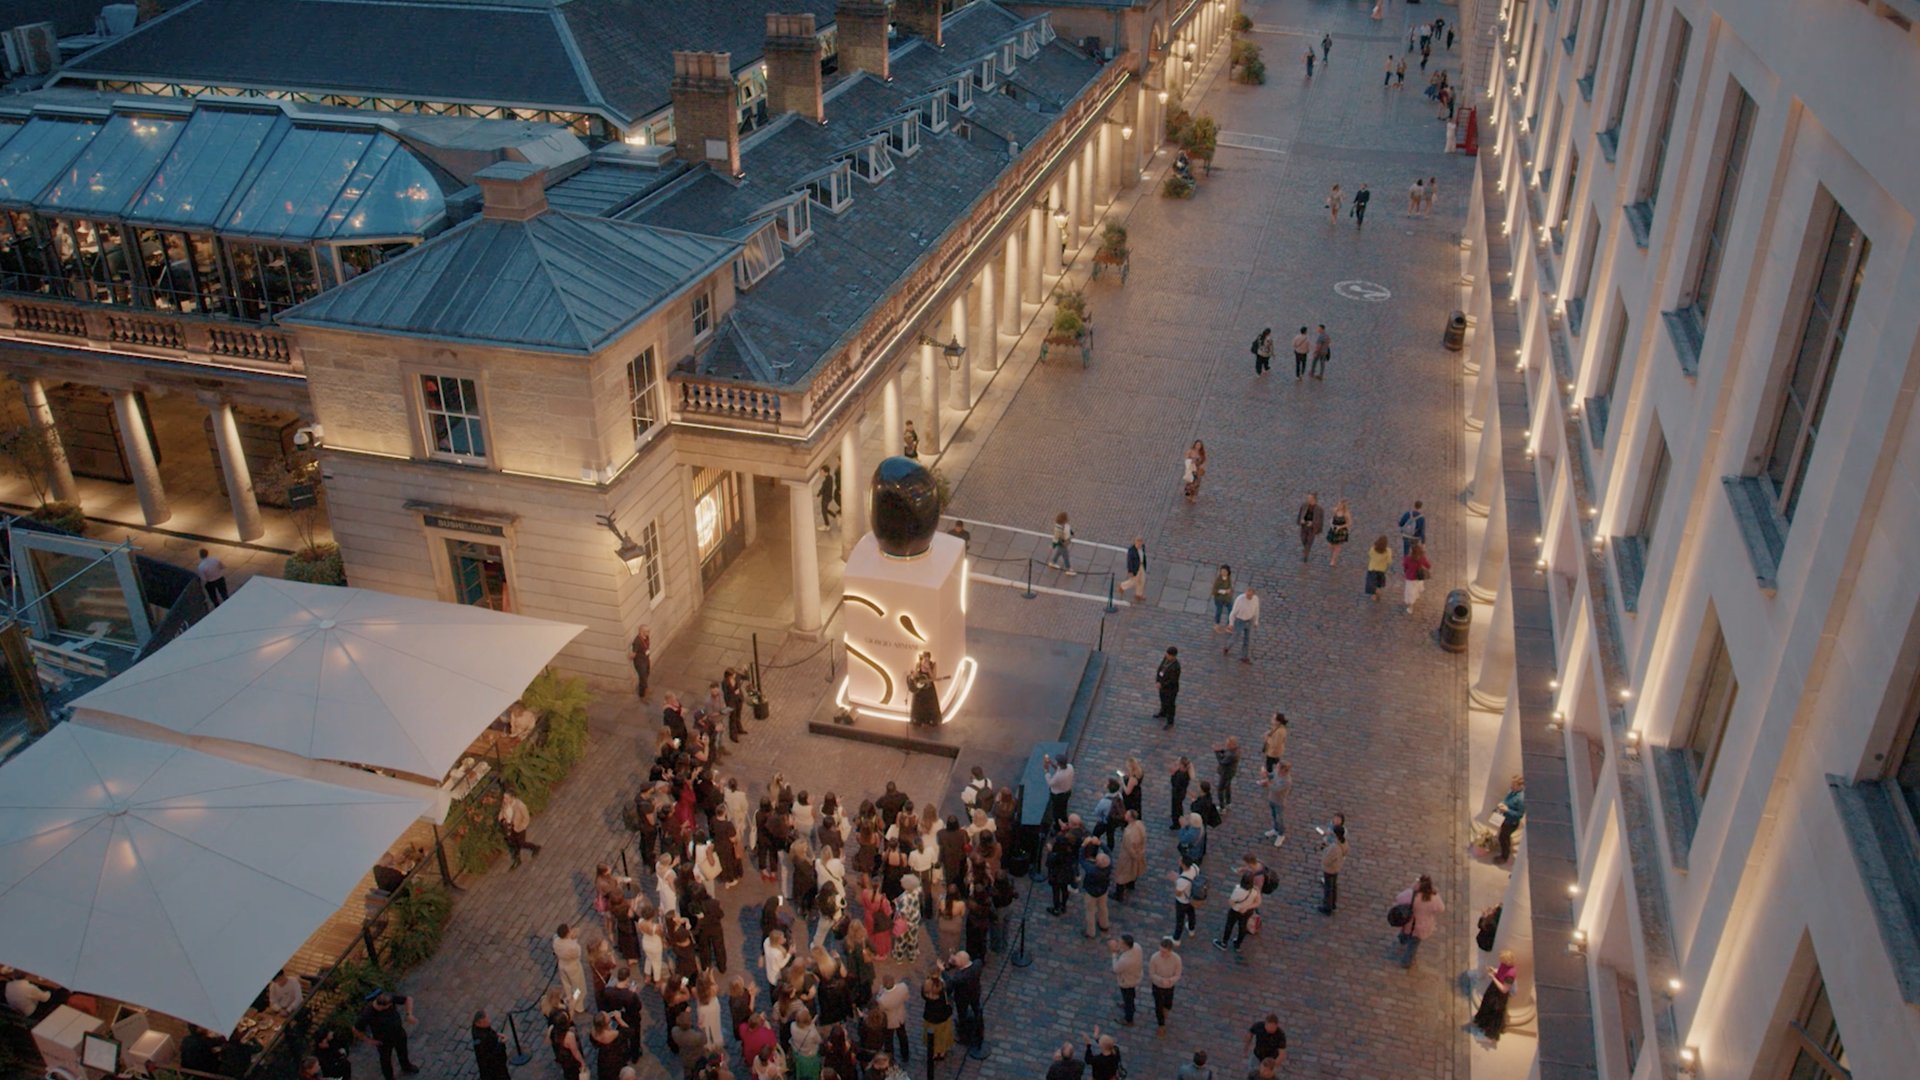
x=1072, y=324
x=1113, y=250
x=29, y=453
x=1242, y=23
x=296, y=484
x=1246, y=64
x=1177, y=187
x=1178, y=120
x=1201, y=140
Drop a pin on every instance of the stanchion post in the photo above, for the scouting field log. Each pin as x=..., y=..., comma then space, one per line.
x=1020, y=958
x=1029, y=594
x=1110, y=608
x=625, y=870
x=520, y=1056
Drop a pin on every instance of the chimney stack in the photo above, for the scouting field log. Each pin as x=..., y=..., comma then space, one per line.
x=793, y=66
x=862, y=30
x=920, y=17
x=512, y=190
x=705, y=124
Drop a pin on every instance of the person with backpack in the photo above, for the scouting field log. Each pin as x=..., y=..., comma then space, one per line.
x=1204, y=805
x=1192, y=841
x=1413, y=529
x=1096, y=881
x=1418, y=910
x=1189, y=891
x=1060, y=556
x=1242, y=909
x=1263, y=351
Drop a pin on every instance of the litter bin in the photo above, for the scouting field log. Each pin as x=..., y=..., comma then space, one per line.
x=1457, y=331
x=1456, y=620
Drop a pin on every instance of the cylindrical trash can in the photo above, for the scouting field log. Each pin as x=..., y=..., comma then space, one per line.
x=1456, y=619
x=1457, y=331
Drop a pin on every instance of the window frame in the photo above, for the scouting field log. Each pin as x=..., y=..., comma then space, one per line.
x=1801, y=1042
x=1653, y=495
x=1730, y=153
x=700, y=314
x=652, y=573
x=1629, y=50
x=1786, y=488
x=475, y=417
x=1666, y=109
x=643, y=393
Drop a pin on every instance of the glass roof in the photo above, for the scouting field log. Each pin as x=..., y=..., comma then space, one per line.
x=108, y=175
x=211, y=160
x=41, y=151
x=329, y=184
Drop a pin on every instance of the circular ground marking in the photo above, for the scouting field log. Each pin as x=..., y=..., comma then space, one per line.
x=1370, y=291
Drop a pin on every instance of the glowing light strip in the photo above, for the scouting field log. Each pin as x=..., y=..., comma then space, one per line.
x=963, y=679
x=886, y=680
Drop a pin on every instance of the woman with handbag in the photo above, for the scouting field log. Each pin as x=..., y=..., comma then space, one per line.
x=906, y=920
x=1422, y=910
x=1491, y=1017
x=1339, y=531
x=1416, y=570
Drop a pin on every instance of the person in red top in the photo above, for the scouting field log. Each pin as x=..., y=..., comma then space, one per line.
x=1415, y=569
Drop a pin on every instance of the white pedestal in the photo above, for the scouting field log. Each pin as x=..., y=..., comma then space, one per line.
x=894, y=610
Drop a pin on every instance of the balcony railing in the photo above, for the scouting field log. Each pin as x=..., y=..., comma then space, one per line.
x=148, y=333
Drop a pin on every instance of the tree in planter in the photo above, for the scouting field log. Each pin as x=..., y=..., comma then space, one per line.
x=1242, y=23
x=1202, y=139
x=1246, y=64
x=1178, y=120
x=296, y=482
x=28, y=452
x=1177, y=187
x=1113, y=250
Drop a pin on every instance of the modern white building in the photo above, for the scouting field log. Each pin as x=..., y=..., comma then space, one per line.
x=1694, y=349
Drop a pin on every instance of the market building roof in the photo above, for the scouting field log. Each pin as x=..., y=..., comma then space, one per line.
x=590, y=56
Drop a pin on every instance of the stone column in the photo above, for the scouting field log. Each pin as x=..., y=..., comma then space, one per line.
x=806, y=557
x=1493, y=547
x=146, y=471
x=1505, y=761
x=1050, y=249
x=1010, y=286
x=932, y=364
x=40, y=418
x=1108, y=183
x=1516, y=933
x=960, y=386
x=749, y=506
x=1089, y=198
x=1485, y=486
x=1132, y=153
x=853, y=490
x=893, y=440
x=1495, y=675
x=986, y=345
x=1036, y=282
x=233, y=463
x=1072, y=236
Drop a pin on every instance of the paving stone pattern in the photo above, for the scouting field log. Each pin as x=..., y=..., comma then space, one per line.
x=1376, y=707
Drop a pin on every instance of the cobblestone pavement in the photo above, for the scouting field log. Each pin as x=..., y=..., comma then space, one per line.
x=1376, y=708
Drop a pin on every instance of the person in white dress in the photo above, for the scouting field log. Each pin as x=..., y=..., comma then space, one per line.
x=573, y=973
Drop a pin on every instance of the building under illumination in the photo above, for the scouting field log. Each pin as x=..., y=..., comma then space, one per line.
x=1693, y=282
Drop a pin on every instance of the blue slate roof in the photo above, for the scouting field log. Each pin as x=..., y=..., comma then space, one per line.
x=558, y=281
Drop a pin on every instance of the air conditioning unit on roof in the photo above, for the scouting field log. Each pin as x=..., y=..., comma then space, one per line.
x=31, y=49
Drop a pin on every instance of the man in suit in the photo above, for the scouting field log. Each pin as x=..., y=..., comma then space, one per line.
x=1167, y=678
x=489, y=1049
x=1136, y=570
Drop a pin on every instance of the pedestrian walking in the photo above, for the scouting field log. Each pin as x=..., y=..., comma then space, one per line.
x=1322, y=352
x=1226, y=761
x=640, y=653
x=1333, y=204
x=1449, y=38
x=1400, y=74
x=1167, y=678
x=829, y=492
x=1308, y=519
x=1414, y=570
x=1179, y=780
x=1302, y=344
x=1388, y=79
x=1265, y=1042
x=1245, y=616
x=1164, y=969
x=1136, y=578
x=1222, y=598
x=1415, y=197
x=381, y=1023
x=1326, y=47
x=1339, y=530
x=1512, y=808
x=1196, y=1069
x=1379, y=557
x=1413, y=528
x=213, y=577
x=910, y=442
x=1360, y=200
x=1188, y=884
x=1425, y=53
x=1242, y=909
x=1423, y=908
x=1433, y=182
x=514, y=819
x=1195, y=469
x=1333, y=856
x=1129, y=965
x=1273, y=746
x=1263, y=345
x=1426, y=34
x=1060, y=556
x=1279, y=785
x=1491, y=1016
x=1309, y=62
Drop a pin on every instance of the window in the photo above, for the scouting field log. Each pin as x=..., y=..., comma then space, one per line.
x=650, y=554
x=1656, y=493
x=1814, y=1039
x=1566, y=193
x=759, y=256
x=1714, y=692
x=1573, y=26
x=1725, y=191
x=1823, y=333
x=1629, y=51
x=796, y=223
x=1583, y=272
x=932, y=110
x=871, y=162
x=456, y=430
x=1906, y=768
x=643, y=380
x=702, y=314
x=903, y=134
x=960, y=93
x=1606, y=378
x=986, y=72
x=831, y=187
x=1662, y=133
x=1594, y=41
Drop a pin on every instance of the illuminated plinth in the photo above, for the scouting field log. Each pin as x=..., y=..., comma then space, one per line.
x=897, y=608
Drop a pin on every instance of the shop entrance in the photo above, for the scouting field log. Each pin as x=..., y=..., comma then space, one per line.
x=479, y=574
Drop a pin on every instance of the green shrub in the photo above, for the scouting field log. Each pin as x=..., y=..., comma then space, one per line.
x=318, y=565
x=1177, y=187
x=479, y=845
x=416, y=921
x=1253, y=72
x=1178, y=121
x=66, y=516
x=1242, y=23
x=1067, y=323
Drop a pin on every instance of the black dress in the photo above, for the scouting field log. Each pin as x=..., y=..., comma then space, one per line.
x=925, y=710
x=1491, y=1017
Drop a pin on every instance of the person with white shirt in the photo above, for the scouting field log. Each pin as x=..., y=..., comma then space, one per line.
x=1059, y=787
x=284, y=994
x=1129, y=965
x=570, y=959
x=1241, y=908
x=1243, y=618
x=892, y=1000
x=25, y=996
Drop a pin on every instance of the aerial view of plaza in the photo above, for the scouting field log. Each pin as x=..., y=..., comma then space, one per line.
x=959, y=539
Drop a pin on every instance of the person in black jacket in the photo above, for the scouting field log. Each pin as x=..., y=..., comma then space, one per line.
x=1167, y=678
x=489, y=1049
x=962, y=977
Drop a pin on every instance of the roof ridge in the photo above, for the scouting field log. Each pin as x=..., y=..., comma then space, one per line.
x=587, y=336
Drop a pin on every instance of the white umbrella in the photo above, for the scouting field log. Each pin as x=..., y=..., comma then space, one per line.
x=338, y=674
x=173, y=879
